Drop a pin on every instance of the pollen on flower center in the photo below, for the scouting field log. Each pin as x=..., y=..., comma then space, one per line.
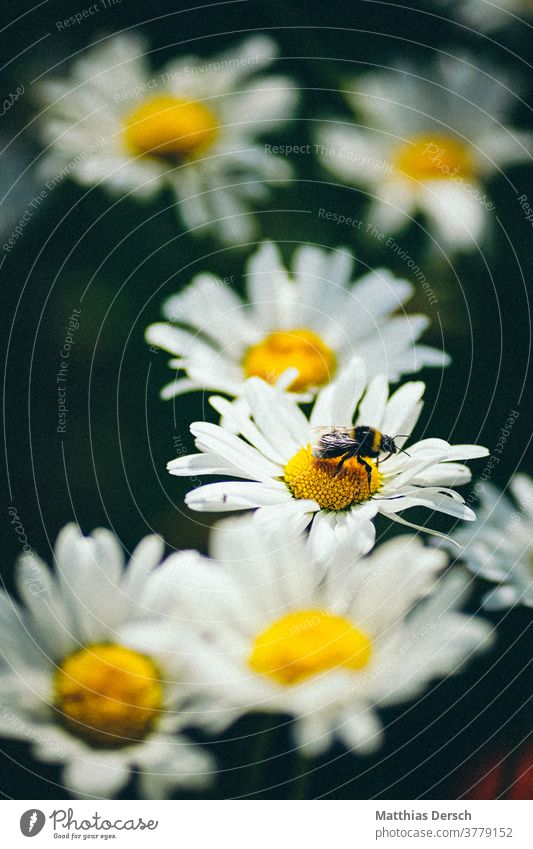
x=306, y=643
x=108, y=695
x=317, y=479
x=165, y=126
x=440, y=157
x=299, y=348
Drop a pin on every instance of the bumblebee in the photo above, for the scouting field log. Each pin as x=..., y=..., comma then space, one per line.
x=359, y=442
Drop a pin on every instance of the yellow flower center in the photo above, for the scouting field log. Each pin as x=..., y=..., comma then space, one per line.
x=306, y=643
x=165, y=126
x=108, y=695
x=320, y=480
x=299, y=348
x=426, y=157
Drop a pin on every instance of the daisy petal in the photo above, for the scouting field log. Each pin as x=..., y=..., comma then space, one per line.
x=223, y=497
x=102, y=778
x=336, y=403
x=403, y=406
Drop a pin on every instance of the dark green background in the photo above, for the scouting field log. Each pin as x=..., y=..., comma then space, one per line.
x=121, y=259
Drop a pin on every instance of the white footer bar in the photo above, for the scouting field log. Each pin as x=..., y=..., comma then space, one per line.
x=268, y=824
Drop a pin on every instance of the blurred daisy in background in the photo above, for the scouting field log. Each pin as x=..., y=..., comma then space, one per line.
x=312, y=319
x=269, y=443
x=489, y=15
x=191, y=127
x=426, y=142
x=500, y=771
x=325, y=643
x=501, y=547
x=73, y=686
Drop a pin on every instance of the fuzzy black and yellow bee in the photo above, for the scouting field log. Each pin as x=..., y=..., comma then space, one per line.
x=359, y=442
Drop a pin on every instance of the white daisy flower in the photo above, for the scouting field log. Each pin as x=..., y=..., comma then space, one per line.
x=279, y=632
x=427, y=141
x=269, y=443
x=501, y=546
x=72, y=685
x=313, y=319
x=192, y=127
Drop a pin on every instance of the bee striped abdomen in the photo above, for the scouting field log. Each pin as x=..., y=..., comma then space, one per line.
x=376, y=442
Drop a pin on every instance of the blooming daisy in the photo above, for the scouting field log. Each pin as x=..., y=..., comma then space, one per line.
x=269, y=443
x=192, y=127
x=426, y=143
x=326, y=643
x=73, y=686
x=501, y=547
x=313, y=320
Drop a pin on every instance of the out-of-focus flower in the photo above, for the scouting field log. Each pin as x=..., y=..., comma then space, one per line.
x=269, y=442
x=500, y=548
x=499, y=774
x=72, y=682
x=488, y=15
x=192, y=127
x=426, y=141
x=326, y=643
x=313, y=320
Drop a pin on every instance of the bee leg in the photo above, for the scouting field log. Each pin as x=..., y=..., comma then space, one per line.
x=341, y=463
x=368, y=468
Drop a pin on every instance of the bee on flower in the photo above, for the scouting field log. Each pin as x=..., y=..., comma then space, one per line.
x=74, y=683
x=327, y=643
x=268, y=442
x=312, y=319
x=192, y=127
x=500, y=549
x=426, y=140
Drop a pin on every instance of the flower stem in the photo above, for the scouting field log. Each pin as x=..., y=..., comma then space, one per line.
x=302, y=775
x=260, y=750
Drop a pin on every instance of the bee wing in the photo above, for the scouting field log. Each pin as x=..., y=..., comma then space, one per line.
x=332, y=441
x=317, y=438
x=317, y=432
x=333, y=430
